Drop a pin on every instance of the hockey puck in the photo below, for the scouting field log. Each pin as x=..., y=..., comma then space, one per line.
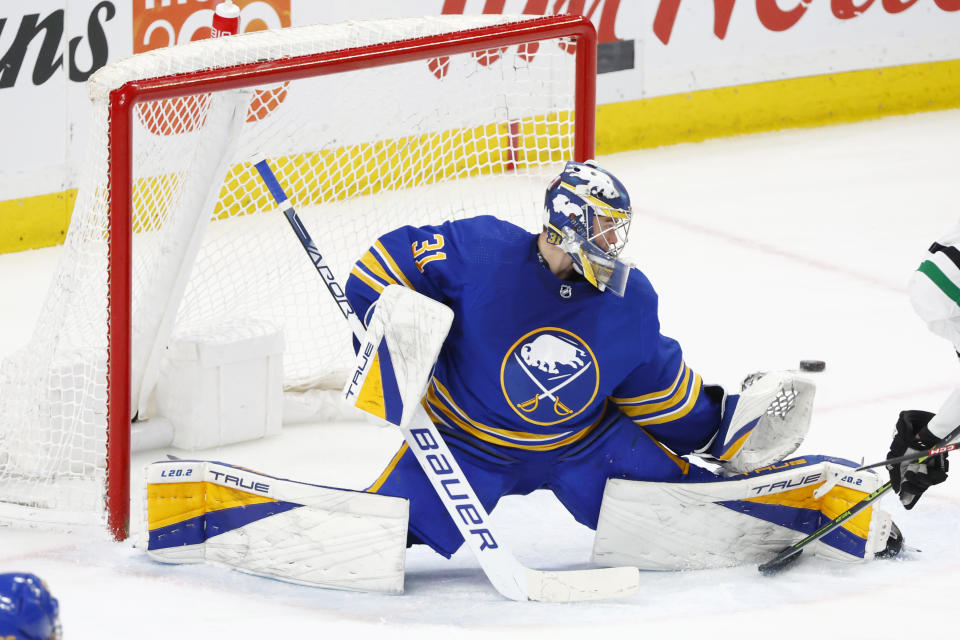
x=812, y=365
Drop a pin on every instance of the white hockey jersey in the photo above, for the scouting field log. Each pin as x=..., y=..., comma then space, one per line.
x=935, y=295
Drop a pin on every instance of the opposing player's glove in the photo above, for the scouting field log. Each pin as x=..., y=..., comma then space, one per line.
x=911, y=479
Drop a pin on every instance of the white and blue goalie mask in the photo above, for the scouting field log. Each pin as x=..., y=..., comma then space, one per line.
x=587, y=214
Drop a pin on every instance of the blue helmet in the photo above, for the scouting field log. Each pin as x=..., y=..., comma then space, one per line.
x=27, y=610
x=587, y=213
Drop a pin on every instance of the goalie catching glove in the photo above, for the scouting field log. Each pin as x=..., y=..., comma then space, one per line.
x=764, y=424
x=911, y=479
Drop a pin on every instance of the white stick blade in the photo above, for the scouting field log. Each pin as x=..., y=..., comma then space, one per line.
x=577, y=586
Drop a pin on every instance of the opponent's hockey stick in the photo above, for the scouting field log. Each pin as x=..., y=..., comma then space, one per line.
x=792, y=553
x=508, y=576
x=942, y=447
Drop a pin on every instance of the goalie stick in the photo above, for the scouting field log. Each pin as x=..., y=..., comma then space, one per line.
x=792, y=553
x=510, y=578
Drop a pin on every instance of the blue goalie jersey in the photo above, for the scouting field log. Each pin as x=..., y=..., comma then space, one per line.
x=534, y=362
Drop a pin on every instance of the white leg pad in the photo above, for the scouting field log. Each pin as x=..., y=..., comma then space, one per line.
x=201, y=511
x=748, y=519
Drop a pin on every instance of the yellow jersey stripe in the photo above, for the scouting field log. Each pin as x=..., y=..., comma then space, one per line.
x=431, y=413
x=390, y=467
x=683, y=464
x=515, y=445
x=391, y=263
x=367, y=280
x=452, y=417
x=373, y=266
x=442, y=402
x=656, y=407
x=656, y=395
x=680, y=411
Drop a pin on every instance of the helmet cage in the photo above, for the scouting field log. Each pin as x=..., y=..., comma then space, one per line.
x=603, y=219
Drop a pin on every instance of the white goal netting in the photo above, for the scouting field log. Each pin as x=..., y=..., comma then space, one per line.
x=358, y=152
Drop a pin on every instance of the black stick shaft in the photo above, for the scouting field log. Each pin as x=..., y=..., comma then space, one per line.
x=788, y=555
x=918, y=456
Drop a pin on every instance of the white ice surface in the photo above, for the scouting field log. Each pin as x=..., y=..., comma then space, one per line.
x=765, y=250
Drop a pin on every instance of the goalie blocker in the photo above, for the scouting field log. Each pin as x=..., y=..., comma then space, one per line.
x=744, y=519
x=395, y=361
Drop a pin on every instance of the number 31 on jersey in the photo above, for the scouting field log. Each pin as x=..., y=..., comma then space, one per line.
x=429, y=251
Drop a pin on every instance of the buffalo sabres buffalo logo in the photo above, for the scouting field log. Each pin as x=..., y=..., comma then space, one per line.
x=549, y=375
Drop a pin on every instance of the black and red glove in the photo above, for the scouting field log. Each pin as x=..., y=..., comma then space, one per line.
x=911, y=479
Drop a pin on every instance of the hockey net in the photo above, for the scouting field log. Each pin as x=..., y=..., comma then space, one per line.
x=368, y=125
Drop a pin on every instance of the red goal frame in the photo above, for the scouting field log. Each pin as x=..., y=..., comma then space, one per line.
x=120, y=193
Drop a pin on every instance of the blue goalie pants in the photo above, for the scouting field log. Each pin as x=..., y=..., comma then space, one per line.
x=576, y=474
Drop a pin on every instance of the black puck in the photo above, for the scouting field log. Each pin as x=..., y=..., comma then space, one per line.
x=812, y=365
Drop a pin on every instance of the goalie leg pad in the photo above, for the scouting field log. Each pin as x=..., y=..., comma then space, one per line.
x=765, y=423
x=201, y=511
x=396, y=358
x=746, y=519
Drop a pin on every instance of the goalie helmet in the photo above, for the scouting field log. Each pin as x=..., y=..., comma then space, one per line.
x=587, y=214
x=27, y=610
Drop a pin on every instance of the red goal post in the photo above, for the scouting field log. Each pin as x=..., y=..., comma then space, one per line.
x=125, y=187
